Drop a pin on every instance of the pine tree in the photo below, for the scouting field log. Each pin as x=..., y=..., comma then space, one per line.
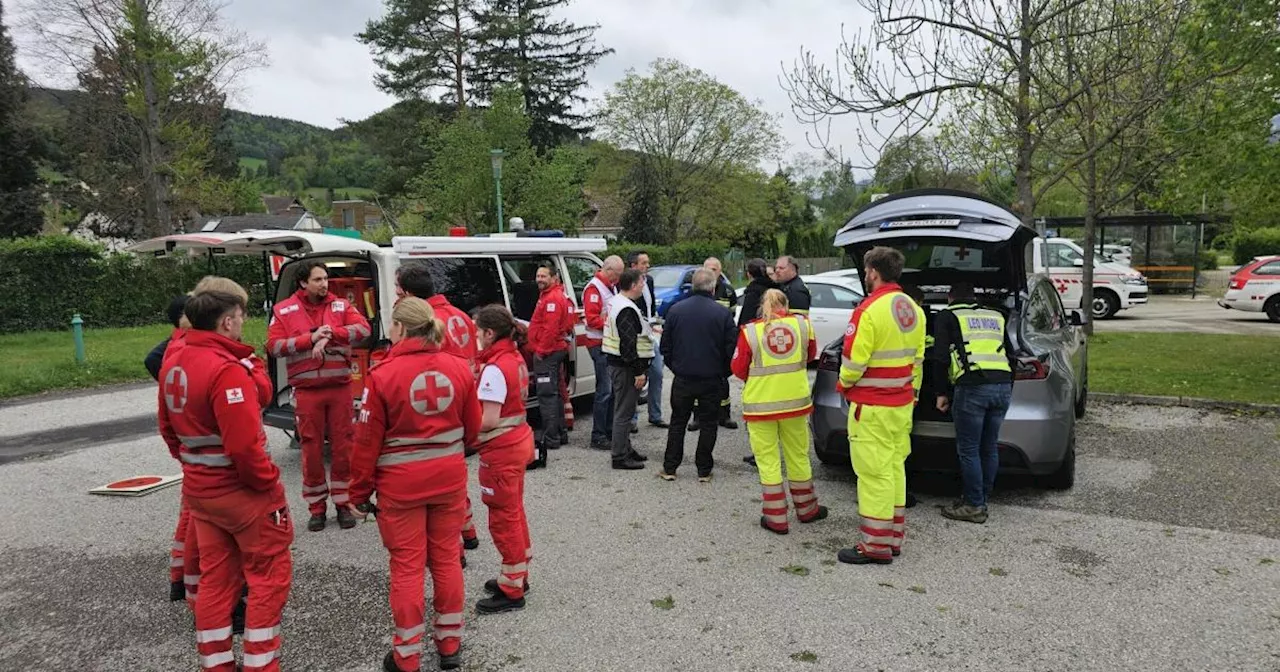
x=19, y=181
x=642, y=221
x=521, y=43
x=423, y=45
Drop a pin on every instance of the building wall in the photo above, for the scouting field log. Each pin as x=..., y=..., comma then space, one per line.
x=357, y=215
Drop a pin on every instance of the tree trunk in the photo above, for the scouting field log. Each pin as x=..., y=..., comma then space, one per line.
x=1091, y=198
x=1025, y=206
x=459, y=56
x=156, y=182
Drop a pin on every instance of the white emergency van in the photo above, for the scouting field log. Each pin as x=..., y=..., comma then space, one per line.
x=1116, y=287
x=472, y=271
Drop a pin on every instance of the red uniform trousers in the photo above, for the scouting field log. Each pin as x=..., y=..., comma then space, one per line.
x=243, y=536
x=468, y=526
x=417, y=538
x=564, y=394
x=184, y=559
x=502, y=490
x=320, y=412
x=179, y=548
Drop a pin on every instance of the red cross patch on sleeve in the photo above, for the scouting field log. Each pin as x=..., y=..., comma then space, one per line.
x=235, y=395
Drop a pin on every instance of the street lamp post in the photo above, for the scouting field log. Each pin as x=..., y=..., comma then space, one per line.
x=495, y=158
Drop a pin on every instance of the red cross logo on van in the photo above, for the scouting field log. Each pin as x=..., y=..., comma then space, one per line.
x=431, y=393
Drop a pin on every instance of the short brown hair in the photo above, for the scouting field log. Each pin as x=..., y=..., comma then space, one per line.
x=205, y=309
x=886, y=261
x=304, y=272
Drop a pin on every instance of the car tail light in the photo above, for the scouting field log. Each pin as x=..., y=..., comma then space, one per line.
x=1237, y=282
x=829, y=361
x=1031, y=368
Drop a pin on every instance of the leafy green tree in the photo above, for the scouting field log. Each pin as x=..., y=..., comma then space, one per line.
x=20, y=213
x=696, y=131
x=422, y=46
x=642, y=221
x=523, y=42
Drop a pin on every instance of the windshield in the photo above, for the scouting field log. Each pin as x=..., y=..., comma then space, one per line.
x=664, y=278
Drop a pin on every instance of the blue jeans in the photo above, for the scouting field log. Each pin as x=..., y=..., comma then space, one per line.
x=978, y=411
x=654, y=377
x=602, y=409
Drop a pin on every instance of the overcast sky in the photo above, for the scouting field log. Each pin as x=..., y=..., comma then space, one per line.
x=319, y=72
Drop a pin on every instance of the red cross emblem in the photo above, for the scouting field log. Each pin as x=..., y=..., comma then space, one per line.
x=524, y=376
x=431, y=393
x=175, y=389
x=904, y=311
x=458, y=333
x=780, y=340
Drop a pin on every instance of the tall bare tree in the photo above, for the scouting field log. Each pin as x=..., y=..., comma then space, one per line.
x=168, y=63
x=422, y=45
x=692, y=128
x=975, y=61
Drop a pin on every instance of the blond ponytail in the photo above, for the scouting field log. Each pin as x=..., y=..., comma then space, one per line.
x=418, y=320
x=774, y=301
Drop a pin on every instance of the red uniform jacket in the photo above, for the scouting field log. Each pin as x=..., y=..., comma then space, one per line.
x=593, y=309
x=459, y=330
x=210, y=417
x=290, y=337
x=552, y=322
x=257, y=368
x=418, y=411
x=511, y=442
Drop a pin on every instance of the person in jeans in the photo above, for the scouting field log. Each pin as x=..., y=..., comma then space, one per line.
x=628, y=345
x=698, y=346
x=595, y=310
x=639, y=261
x=980, y=368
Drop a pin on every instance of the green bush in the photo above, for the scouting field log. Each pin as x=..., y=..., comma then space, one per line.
x=1208, y=260
x=1250, y=244
x=47, y=280
x=680, y=253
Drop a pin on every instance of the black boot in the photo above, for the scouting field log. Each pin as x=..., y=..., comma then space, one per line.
x=237, y=618
x=346, y=521
x=852, y=556
x=316, y=523
x=389, y=663
x=451, y=662
x=177, y=591
x=498, y=603
x=728, y=424
x=628, y=464
x=911, y=501
x=694, y=426
x=471, y=544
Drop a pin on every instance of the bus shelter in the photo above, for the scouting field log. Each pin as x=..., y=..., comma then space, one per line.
x=1164, y=247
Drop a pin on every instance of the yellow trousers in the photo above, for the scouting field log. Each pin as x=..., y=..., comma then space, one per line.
x=879, y=443
x=774, y=442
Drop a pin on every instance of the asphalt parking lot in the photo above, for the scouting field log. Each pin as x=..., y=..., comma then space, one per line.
x=1165, y=556
x=1200, y=315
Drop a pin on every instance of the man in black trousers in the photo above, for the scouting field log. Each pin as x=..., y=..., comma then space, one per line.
x=697, y=344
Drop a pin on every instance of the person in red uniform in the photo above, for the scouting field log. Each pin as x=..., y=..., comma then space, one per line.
x=550, y=336
x=414, y=279
x=506, y=446
x=418, y=411
x=313, y=331
x=210, y=417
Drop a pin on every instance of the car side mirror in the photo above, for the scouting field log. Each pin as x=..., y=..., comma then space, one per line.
x=686, y=288
x=1077, y=262
x=1075, y=318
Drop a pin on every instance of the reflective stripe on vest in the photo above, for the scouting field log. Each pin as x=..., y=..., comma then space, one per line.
x=505, y=424
x=203, y=459
x=777, y=382
x=389, y=459
x=611, y=343
x=606, y=295
x=982, y=341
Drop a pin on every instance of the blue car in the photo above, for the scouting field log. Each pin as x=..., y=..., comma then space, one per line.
x=670, y=283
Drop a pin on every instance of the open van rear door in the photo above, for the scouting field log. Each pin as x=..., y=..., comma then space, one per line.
x=946, y=235
x=283, y=243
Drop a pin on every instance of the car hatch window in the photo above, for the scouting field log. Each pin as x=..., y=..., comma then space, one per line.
x=581, y=270
x=468, y=282
x=1039, y=310
x=1272, y=268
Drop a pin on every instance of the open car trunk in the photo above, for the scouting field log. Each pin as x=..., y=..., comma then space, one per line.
x=946, y=237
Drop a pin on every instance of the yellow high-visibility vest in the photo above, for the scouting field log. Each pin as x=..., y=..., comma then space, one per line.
x=611, y=344
x=982, y=340
x=777, y=381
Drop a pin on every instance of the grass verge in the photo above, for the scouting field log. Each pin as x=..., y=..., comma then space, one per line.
x=1210, y=366
x=45, y=361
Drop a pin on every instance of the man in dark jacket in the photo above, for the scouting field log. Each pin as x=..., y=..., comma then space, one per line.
x=755, y=290
x=648, y=305
x=628, y=347
x=697, y=345
x=156, y=357
x=725, y=295
x=787, y=275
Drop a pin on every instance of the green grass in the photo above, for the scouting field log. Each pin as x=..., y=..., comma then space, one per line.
x=44, y=361
x=250, y=163
x=1210, y=366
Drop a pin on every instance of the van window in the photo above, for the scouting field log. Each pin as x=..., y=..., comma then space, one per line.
x=1058, y=255
x=520, y=272
x=468, y=282
x=581, y=270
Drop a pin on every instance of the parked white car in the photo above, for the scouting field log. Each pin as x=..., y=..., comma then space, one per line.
x=833, y=299
x=1256, y=288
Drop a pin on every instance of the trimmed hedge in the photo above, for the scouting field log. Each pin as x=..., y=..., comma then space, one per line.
x=47, y=280
x=1255, y=243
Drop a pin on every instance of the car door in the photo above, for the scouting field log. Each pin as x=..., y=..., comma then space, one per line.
x=830, y=309
x=1060, y=263
x=1049, y=335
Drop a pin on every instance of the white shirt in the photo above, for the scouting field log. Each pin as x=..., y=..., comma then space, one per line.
x=493, y=386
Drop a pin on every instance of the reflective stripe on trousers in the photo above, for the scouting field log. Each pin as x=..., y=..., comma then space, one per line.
x=505, y=424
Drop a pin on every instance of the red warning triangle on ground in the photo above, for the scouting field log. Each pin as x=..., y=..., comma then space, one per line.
x=137, y=486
